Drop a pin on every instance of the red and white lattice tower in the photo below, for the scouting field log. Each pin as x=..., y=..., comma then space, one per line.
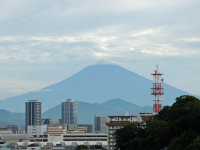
x=157, y=91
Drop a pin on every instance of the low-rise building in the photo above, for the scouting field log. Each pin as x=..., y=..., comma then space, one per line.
x=52, y=121
x=13, y=128
x=145, y=117
x=86, y=139
x=89, y=127
x=117, y=122
x=36, y=130
x=56, y=130
x=13, y=138
x=5, y=130
x=39, y=139
x=80, y=129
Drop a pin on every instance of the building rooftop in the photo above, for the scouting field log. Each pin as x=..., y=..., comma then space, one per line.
x=35, y=100
x=121, y=116
x=69, y=100
x=146, y=113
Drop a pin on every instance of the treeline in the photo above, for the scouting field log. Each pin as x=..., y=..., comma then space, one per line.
x=176, y=127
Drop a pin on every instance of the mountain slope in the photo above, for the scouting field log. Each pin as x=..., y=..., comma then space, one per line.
x=9, y=118
x=95, y=83
x=87, y=111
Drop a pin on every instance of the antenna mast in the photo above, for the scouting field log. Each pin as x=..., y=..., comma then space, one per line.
x=157, y=91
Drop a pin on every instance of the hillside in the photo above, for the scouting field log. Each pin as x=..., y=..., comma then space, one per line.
x=87, y=111
x=96, y=83
x=9, y=118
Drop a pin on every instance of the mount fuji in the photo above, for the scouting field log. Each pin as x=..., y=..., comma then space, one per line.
x=95, y=84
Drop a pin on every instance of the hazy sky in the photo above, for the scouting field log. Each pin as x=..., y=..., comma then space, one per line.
x=45, y=41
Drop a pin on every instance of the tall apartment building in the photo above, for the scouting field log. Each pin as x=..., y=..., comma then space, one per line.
x=33, y=115
x=118, y=122
x=100, y=124
x=69, y=114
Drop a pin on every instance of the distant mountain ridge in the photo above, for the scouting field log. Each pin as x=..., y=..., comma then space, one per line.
x=86, y=112
x=96, y=83
x=9, y=118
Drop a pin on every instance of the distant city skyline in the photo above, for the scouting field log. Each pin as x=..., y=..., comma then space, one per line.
x=43, y=42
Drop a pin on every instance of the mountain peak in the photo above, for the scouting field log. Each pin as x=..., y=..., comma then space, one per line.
x=104, y=69
x=95, y=83
x=103, y=65
x=103, y=61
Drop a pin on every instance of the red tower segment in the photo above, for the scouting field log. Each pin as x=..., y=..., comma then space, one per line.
x=157, y=91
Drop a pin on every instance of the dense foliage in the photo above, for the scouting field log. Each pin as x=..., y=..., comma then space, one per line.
x=176, y=127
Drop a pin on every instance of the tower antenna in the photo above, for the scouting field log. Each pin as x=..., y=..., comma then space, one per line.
x=157, y=91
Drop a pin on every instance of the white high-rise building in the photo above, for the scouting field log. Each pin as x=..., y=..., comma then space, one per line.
x=69, y=114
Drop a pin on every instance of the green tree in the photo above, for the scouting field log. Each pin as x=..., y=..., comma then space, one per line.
x=125, y=137
x=181, y=142
x=195, y=145
x=185, y=114
x=176, y=127
x=164, y=114
x=158, y=134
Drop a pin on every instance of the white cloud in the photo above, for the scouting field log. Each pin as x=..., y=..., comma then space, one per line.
x=20, y=86
x=8, y=38
x=170, y=50
x=113, y=6
x=143, y=33
x=191, y=39
x=110, y=42
x=54, y=39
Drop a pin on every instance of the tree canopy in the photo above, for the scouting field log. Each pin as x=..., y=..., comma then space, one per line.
x=176, y=127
